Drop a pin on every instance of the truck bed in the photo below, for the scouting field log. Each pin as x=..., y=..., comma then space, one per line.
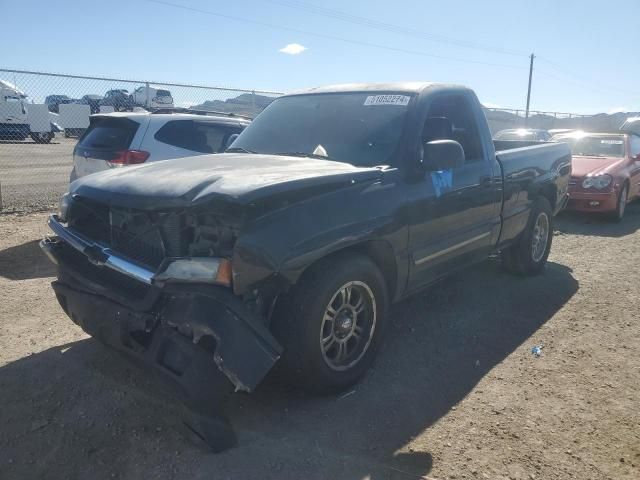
x=527, y=170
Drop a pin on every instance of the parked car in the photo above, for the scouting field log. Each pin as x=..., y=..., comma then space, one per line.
x=525, y=134
x=606, y=171
x=121, y=139
x=558, y=131
x=119, y=99
x=152, y=97
x=53, y=102
x=331, y=205
x=92, y=100
x=631, y=125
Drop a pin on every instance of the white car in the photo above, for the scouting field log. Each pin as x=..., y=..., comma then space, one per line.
x=152, y=97
x=126, y=138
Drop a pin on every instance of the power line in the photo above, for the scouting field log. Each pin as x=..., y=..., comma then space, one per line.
x=597, y=85
x=393, y=28
x=329, y=37
x=565, y=79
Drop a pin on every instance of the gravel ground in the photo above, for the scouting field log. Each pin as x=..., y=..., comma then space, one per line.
x=455, y=392
x=33, y=176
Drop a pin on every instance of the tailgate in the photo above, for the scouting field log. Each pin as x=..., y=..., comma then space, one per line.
x=104, y=141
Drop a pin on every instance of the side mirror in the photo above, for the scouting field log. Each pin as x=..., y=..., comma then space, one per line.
x=231, y=139
x=442, y=155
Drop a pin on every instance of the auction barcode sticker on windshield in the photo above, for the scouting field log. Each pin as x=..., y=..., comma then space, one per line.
x=401, y=100
x=612, y=142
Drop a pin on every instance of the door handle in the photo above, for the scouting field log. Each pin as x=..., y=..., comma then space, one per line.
x=486, y=181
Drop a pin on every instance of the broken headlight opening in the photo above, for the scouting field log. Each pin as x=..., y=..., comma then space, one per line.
x=63, y=206
x=215, y=271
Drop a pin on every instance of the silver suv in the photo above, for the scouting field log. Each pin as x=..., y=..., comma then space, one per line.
x=119, y=139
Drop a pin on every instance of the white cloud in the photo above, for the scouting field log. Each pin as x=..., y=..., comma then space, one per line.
x=293, y=49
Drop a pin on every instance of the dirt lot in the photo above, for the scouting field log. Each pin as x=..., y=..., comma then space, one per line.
x=33, y=176
x=455, y=393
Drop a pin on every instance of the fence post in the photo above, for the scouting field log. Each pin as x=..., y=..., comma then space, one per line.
x=253, y=101
x=146, y=100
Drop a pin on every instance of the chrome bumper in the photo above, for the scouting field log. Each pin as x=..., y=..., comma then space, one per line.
x=96, y=253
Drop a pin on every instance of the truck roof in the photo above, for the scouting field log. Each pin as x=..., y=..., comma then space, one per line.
x=401, y=87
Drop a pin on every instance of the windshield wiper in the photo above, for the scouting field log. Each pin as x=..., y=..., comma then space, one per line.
x=304, y=154
x=238, y=150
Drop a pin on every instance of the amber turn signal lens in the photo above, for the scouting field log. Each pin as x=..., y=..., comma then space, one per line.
x=224, y=274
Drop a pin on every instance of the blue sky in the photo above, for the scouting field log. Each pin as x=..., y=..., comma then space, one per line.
x=586, y=61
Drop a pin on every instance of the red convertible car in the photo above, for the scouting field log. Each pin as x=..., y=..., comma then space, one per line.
x=605, y=173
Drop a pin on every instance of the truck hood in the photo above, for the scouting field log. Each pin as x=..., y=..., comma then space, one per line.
x=582, y=166
x=242, y=178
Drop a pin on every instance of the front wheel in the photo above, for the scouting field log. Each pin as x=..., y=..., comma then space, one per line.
x=528, y=256
x=332, y=322
x=621, y=204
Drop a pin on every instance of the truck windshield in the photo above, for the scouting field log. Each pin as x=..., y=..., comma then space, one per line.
x=363, y=129
x=594, y=145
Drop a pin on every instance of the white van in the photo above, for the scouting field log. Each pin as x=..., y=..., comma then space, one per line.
x=14, y=124
x=152, y=97
x=20, y=119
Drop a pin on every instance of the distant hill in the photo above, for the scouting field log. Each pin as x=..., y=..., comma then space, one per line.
x=251, y=104
x=602, y=122
x=244, y=104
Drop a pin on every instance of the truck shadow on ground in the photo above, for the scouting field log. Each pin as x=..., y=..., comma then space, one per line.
x=578, y=223
x=25, y=261
x=91, y=413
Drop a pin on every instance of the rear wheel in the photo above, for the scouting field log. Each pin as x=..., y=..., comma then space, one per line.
x=42, y=137
x=332, y=322
x=528, y=256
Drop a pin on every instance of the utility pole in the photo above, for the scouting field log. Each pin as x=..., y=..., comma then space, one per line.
x=526, y=115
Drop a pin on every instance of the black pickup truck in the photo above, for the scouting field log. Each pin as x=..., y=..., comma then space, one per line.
x=333, y=204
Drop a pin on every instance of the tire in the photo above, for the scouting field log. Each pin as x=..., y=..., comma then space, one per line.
x=528, y=256
x=303, y=323
x=44, y=137
x=621, y=204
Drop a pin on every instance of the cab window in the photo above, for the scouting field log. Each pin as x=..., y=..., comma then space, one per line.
x=451, y=117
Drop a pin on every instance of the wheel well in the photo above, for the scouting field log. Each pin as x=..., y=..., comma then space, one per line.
x=549, y=192
x=380, y=252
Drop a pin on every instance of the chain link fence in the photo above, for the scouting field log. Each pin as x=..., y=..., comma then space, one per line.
x=42, y=115
x=504, y=118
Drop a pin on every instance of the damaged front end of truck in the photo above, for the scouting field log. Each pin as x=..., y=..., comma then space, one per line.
x=158, y=286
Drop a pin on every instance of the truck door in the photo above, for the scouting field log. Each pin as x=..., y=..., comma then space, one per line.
x=453, y=214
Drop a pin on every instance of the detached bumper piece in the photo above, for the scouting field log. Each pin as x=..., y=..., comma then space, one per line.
x=199, y=340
